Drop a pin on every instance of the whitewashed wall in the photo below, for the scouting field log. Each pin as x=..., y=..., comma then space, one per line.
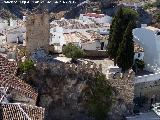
x=105, y=19
x=12, y=37
x=2, y=49
x=15, y=33
x=91, y=46
x=3, y=23
x=147, y=78
x=141, y=57
x=57, y=36
x=2, y=40
x=150, y=43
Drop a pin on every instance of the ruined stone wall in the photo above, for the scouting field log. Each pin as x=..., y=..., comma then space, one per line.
x=148, y=89
x=37, y=31
x=124, y=84
x=124, y=87
x=67, y=81
x=61, y=88
x=66, y=69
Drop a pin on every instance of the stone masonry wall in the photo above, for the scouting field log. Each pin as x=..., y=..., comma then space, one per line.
x=68, y=80
x=148, y=89
x=124, y=84
x=124, y=89
x=37, y=31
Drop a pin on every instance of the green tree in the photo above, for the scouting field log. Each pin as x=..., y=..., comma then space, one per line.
x=115, y=35
x=117, y=30
x=126, y=49
x=138, y=64
x=72, y=51
x=98, y=96
x=26, y=66
x=148, y=6
x=129, y=15
x=156, y=17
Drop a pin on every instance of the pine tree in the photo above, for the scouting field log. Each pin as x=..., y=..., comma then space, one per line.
x=126, y=49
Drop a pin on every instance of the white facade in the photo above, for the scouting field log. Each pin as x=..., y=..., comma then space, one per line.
x=58, y=39
x=147, y=78
x=99, y=18
x=16, y=34
x=76, y=31
x=57, y=36
x=12, y=30
x=2, y=49
x=96, y=45
x=139, y=55
x=149, y=39
x=13, y=23
x=2, y=39
x=3, y=23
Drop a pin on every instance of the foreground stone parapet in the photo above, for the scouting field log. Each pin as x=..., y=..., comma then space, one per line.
x=123, y=82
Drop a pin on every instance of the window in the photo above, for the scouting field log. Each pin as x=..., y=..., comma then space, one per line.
x=139, y=55
x=102, y=45
x=158, y=33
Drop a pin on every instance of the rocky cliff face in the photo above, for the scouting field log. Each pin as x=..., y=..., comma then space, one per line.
x=60, y=88
x=71, y=10
x=17, y=10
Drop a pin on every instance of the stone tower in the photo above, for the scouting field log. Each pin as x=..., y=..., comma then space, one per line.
x=37, y=31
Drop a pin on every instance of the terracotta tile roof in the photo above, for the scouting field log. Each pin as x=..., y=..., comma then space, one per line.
x=83, y=37
x=62, y=23
x=9, y=80
x=74, y=24
x=7, y=66
x=16, y=111
x=96, y=36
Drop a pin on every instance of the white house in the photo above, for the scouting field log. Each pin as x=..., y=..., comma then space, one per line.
x=3, y=23
x=99, y=18
x=16, y=34
x=149, y=38
x=87, y=40
x=56, y=36
x=87, y=33
x=138, y=52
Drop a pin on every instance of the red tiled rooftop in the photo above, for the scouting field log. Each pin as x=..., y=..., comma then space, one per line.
x=8, y=79
x=13, y=82
x=13, y=111
x=7, y=66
